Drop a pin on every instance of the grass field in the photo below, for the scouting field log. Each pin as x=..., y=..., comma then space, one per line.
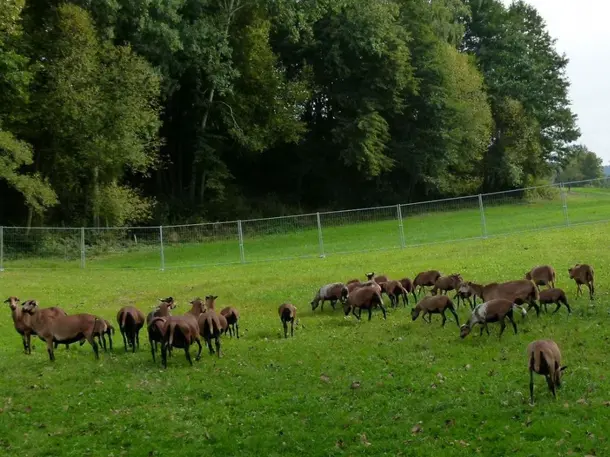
x=423, y=391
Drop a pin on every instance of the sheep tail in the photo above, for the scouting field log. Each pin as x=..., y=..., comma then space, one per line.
x=379, y=298
x=520, y=308
x=123, y=319
x=211, y=324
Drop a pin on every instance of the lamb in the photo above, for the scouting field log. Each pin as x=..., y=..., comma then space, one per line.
x=288, y=313
x=232, y=316
x=495, y=310
x=332, y=292
x=447, y=283
x=556, y=296
x=63, y=329
x=519, y=292
x=437, y=304
x=378, y=279
x=364, y=298
x=544, y=358
x=394, y=290
x=583, y=274
x=542, y=275
x=180, y=332
x=130, y=320
x=425, y=278
x=407, y=284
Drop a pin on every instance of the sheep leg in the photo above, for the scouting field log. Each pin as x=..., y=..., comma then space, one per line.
x=25, y=344
x=578, y=290
x=50, y=349
x=444, y=318
x=384, y=312
x=531, y=387
x=164, y=354
x=217, y=344
x=230, y=330
x=103, y=340
x=198, y=341
x=208, y=342
x=502, y=327
x=133, y=340
x=565, y=302
x=292, y=327
x=457, y=320
x=124, y=338
x=95, y=347
x=512, y=321
x=481, y=332
x=188, y=354
x=470, y=303
x=591, y=290
x=333, y=303
x=558, y=306
x=414, y=296
x=237, y=329
x=551, y=385
x=285, y=324
x=486, y=328
x=354, y=312
x=110, y=340
x=532, y=304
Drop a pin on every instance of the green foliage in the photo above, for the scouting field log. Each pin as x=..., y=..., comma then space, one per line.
x=122, y=205
x=582, y=165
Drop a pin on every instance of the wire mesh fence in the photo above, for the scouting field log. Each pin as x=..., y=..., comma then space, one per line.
x=308, y=235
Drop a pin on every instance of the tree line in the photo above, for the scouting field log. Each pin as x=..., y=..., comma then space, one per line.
x=116, y=112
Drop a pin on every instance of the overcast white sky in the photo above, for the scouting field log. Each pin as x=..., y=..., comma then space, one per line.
x=583, y=34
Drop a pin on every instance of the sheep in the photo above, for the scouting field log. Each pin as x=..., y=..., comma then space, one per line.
x=162, y=310
x=544, y=358
x=447, y=283
x=352, y=281
x=495, y=310
x=583, y=274
x=394, y=290
x=232, y=316
x=357, y=285
x=408, y=286
x=542, y=275
x=288, y=313
x=378, y=279
x=130, y=320
x=464, y=293
x=364, y=298
x=180, y=332
x=556, y=296
x=154, y=325
x=519, y=291
x=437, y=304
x=63, y=329
x=332, y=292
x=425, y=278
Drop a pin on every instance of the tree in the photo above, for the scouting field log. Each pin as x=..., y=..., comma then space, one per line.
x=583, y=164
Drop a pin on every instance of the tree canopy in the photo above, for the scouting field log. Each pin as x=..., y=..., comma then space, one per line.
x=117, y=112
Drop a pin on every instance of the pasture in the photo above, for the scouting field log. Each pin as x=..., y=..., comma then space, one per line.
x=419, y=389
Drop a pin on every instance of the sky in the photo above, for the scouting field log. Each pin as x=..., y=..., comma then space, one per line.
x=583, y=34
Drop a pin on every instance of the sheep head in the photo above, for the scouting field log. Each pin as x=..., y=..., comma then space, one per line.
x=12, y=302
x=464, y=330
x=414, y=313
x=370, y=275
x=30, y=306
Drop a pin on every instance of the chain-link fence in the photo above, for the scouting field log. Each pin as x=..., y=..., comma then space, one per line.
x=309, y=235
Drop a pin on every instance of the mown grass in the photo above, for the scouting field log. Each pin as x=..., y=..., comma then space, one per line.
x=423, y=391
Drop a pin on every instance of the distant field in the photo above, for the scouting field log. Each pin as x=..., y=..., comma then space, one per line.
x=423, y=391
x=342, y=232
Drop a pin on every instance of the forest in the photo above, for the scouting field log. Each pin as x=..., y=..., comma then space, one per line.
x=124, y=112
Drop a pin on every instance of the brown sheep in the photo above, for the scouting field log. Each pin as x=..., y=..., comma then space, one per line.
x=437, y=304
x=232, y=316
x=394, y=290
x=352, y=281
x=556, y=296
x=102, y=330
x=364, y=298
x=180, y=332
x=162, y=310
x=447, y=283
x=288, y=313
x=583, y=274
x=357, y=285
x=495, y=310
x=130, y=320
x=378, y=279
x=425, y=279
x=519, y=291
x=542, y=275
x=331, y=292
x=544, y=358
x=407, y=284
x=63, y=329
x=464, y=293
x=155, y=326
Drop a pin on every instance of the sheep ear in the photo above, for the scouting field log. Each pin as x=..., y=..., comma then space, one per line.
x=214, y=297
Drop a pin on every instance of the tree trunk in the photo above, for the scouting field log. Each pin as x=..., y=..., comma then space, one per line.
x=202, y=188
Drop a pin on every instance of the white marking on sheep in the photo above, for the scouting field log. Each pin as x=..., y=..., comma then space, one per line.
x=325, y=289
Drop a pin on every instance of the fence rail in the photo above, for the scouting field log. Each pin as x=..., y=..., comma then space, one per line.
x=308, y=235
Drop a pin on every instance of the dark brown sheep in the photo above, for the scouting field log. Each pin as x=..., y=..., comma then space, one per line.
x=364, y=298
x=519, y=291
x=544, y=358
x=408, y=286
x=355, y=286
x=180, y=332
x=332, y=292
x=447, y=283
x=464, y=293
x=583, y=274
x=394, y=290
x=436, y=304
x=542, y=275
x=425, y=279
x=155, y=326
x=130, y=320
x=232, y=316
x=556, y=296
x=162, y=310
x=495, y=310
x=288, y=313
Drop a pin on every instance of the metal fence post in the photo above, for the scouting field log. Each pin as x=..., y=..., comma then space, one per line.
x=564, y=203
x=1, y=248
x=483, y=221
x=162, y=251
x=240, y=235
x=82, y=247
x=400, y=227
x=320, y=237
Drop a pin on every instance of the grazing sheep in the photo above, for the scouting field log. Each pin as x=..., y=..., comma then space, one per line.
x=287, y=312
x=464, y=293
x=63, y=329
x=407, y=284
x=544, y=358
x=436, y=304
x=130, y=320
x=378, y=279
x=180, y=332
x=364, y=298
x=556, y=296
x=495, y=310
x=583, y=274
x=394, y=290
x=332, y=292
x=447, y=283
x=232, y=316
x=542, y=275
x=519, y=292
x=425, y=279
x=357, y=285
